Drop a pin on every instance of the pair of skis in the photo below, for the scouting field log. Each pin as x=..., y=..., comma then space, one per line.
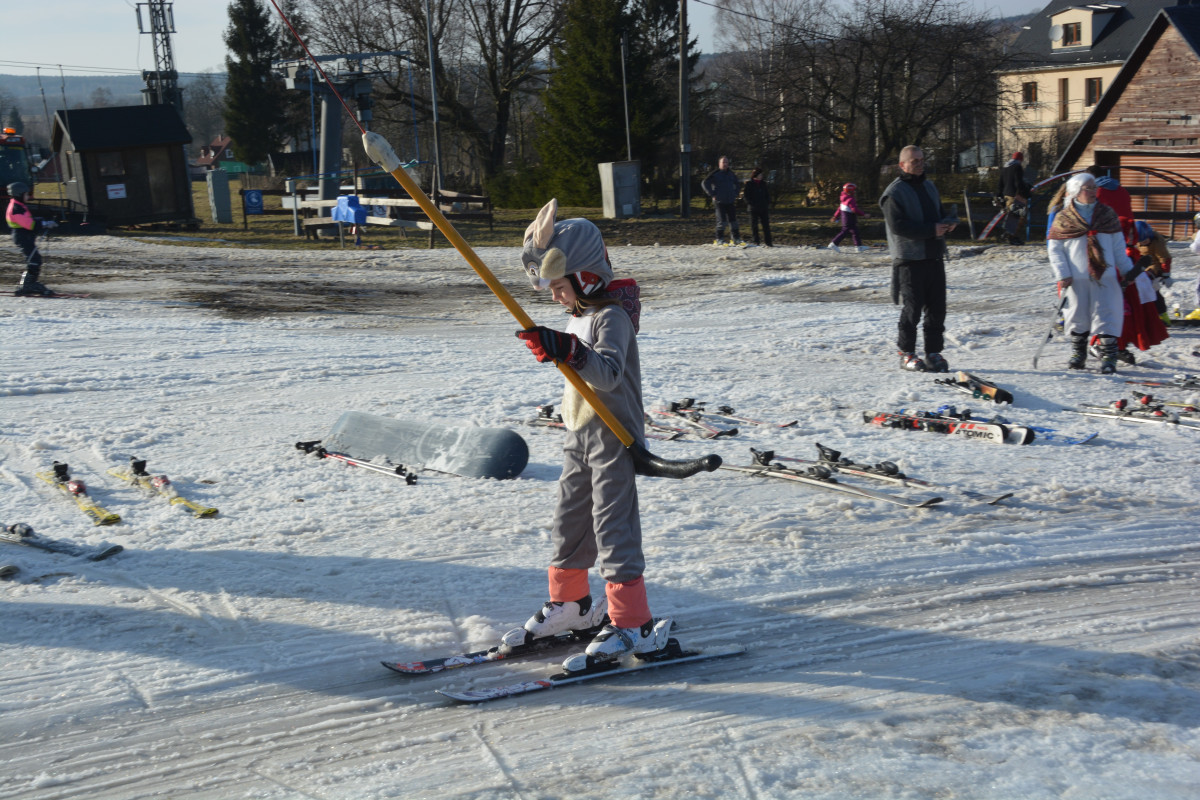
x=547, y=418
x=673, y=654
x=883, y=471
x=395, y=470
x=953, y=424
x=1121, y=410
x=820, y=475
x=60, y=478
x=1180, y=381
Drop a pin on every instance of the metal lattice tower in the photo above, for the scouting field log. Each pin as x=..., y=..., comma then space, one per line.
x=162, y=84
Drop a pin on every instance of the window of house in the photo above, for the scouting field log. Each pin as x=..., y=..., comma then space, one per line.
x=1064, y=100
x=1092, y=91
x=1072, y=34
x=1029, y=94
x=110, y=165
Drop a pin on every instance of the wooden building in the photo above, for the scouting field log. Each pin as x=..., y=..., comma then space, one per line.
x=1146, y=128
x=125, y=165
x=1067, y=56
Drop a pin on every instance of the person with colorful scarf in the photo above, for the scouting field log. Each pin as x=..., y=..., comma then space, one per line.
x=1087, y=255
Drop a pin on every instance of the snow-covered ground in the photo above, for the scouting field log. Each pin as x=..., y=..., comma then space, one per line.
x=1045, y=647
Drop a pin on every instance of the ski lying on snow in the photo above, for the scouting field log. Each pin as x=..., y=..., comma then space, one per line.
x=690, y=404
x=20, y=533
x=1176, y=382
x=1054, y=435
x=60, y=478
x=937, y=423
x=967, y=383
x=672, y=654
x=1150, y=401
x=136, y=475
x=1108, y=412
x=884, y=471
x=821, y=477
x=695, y=421
x=546, y=418
x=52, y=296
x=492, y=654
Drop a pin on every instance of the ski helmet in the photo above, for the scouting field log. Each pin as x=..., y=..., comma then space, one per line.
x=18, y=189
x=846, y=187
x=572, y=248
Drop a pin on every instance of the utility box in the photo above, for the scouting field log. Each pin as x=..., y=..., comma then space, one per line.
x=218, y=196
x=620, y=186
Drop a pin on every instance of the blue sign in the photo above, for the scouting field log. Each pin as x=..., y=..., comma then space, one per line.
x=253, y=199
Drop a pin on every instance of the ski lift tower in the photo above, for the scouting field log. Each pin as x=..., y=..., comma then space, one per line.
x=162, y=84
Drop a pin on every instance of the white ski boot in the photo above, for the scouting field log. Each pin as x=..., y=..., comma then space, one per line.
x=555, y=618
x=612, y=643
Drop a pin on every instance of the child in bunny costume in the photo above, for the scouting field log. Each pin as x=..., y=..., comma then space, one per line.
x=596, y=521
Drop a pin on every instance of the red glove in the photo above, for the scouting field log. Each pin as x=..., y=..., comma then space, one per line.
x=548, y=344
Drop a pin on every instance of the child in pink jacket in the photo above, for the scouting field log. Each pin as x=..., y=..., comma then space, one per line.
x=849, y=211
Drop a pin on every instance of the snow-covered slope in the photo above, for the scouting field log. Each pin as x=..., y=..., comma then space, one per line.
x=1045, y=647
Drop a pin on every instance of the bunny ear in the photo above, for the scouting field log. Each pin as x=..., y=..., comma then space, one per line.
x=541, y=230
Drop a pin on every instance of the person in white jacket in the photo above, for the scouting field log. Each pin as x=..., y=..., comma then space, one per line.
x=1087, y=256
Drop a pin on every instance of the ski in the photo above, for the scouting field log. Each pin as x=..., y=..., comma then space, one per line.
x=60, y=478
x=976, y=387
x=20, y=533
x=987, y=230
x=672, y=654
x=694, y=420
x=53, y=296
x=955, y=426
x=821, y=477
x=726, y=412
x=136, y=475
x=884, y=472
x=1161, y=418
x=1176, y=382
x=493, y=654
x=1149, y=400
x=395, y=470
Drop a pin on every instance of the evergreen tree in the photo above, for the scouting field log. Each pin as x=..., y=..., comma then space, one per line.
x=585, y=115
x=584, y=121
x=254, y=103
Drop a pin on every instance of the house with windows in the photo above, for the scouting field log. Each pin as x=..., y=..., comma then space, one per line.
x=1145, y=131
x=1066, y=58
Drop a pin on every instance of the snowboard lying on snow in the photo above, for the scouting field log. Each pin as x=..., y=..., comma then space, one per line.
x=469, y=451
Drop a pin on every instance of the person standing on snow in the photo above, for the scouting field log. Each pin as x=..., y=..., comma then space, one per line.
x=25, y=229
x=1015, y=191
x=916, y=227
x=723, y=186
x=1087, y=256
x=597, y=519
x=758, y=201
x=849, y=212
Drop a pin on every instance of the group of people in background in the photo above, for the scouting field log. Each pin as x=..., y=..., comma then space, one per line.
x=725, y=188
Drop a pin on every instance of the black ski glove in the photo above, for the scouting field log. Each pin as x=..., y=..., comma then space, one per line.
x=548, y=344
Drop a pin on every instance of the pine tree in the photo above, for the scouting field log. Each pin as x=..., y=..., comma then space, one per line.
x=584, y=121
x=585, y=116
x=253, y=95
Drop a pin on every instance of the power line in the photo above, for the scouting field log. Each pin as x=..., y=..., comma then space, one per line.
x=96, y=71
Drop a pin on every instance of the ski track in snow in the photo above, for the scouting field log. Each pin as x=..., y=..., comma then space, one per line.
x=1045, y=647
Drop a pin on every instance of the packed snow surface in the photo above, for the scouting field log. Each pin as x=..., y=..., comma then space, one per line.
x=1043, y=647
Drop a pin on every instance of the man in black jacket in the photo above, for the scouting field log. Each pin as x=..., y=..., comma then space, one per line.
x=916, y=227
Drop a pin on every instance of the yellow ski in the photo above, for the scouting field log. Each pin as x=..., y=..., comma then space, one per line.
x=159, y=484
x=60, y=478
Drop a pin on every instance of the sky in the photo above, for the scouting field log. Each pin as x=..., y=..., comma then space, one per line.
x=90, y=37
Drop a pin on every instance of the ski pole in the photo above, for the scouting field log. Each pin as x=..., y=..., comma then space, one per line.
x=380, y=152
x=1050, y=333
